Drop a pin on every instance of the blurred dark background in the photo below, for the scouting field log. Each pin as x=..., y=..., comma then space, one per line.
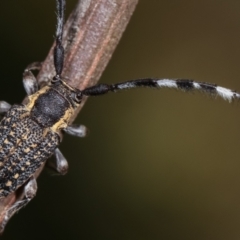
x=157, y=164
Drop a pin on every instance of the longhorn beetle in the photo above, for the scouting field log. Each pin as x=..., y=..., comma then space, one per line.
x=30, y=133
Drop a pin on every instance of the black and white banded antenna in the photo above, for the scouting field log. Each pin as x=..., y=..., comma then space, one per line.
x=100, y=89
x=182, y=84
x=58, y=49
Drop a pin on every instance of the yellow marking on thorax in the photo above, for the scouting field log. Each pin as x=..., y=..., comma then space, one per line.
x=63, y=121
x=32, y=98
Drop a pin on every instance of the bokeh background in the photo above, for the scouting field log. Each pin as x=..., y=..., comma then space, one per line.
x=156, y=164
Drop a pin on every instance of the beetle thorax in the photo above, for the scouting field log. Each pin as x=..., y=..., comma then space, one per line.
x=52, y=106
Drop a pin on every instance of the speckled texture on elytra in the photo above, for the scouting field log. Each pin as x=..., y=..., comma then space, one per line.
x=24, y=147
x=30, y=133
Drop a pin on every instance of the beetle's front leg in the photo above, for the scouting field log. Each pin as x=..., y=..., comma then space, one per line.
x=30, y=189
x=29, y=80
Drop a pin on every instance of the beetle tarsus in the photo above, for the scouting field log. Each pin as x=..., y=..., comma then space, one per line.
x=29, y=82
x=76, y=130
x=59, y=163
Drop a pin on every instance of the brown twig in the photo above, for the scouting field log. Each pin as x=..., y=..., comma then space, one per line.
x=90, y=37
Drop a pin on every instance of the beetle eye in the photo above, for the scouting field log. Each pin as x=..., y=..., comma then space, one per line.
x=78, y=97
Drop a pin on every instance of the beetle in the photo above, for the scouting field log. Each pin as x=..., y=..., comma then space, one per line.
x=31, y=132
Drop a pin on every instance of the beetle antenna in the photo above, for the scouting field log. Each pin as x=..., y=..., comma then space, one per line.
x=182, y=84
x=58, y=49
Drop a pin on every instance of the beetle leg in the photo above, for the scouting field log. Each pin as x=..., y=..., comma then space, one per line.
x=4, y=106
x=59, y=164
x=34, y=66
x=29, y=80
x=29, y=190
x=76, y=130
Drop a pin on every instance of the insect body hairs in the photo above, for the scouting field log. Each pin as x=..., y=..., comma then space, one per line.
x=30, y=133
